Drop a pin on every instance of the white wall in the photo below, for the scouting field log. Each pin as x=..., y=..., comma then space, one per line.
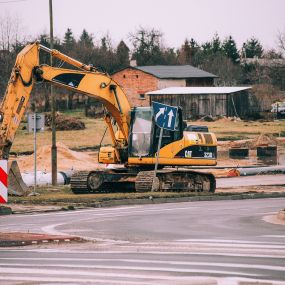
x=164, y=83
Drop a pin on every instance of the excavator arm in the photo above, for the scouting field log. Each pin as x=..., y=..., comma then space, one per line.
x=86, y=81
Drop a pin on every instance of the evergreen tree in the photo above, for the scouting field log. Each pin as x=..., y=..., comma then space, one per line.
x=230, y=49
x=68, y=40
x=252, y=48
x=188, y=51
x=216, y=45
x=122, y=54
x=86, y=39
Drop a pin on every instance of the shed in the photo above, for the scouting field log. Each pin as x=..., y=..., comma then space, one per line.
x=138, y=80
x=213, y=101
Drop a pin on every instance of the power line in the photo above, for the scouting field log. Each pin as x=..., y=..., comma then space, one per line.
x=12, y=1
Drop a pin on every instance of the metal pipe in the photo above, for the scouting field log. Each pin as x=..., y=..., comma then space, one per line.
x=261, y=170
x=64, y=57
x=114, y=88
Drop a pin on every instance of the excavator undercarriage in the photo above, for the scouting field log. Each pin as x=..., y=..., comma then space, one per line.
x=123, y=180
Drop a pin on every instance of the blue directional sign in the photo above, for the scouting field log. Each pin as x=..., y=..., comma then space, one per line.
x=164, y=115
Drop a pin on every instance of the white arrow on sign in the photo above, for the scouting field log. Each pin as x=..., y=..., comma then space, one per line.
x=160, y=112
x=170, y=116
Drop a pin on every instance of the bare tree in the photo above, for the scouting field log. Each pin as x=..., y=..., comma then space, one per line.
x=9, y=32
x=10, y=42
x=281, y=40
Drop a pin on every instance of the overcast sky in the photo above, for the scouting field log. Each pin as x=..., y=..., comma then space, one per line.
x=177, y=19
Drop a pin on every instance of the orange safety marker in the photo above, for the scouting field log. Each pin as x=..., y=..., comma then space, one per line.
x=233, y=173
x=3, y=181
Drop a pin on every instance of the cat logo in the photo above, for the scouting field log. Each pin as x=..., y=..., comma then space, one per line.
x=188, y=153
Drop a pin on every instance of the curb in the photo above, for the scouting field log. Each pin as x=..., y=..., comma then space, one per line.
x=160, y=200
x=6, y=239
x=152, y=200
x=281, y=215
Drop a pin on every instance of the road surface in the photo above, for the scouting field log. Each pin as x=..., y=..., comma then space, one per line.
x=255, y=180
x=218, y=242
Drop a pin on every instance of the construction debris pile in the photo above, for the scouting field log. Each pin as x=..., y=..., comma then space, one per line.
x=64, y=123
x=67, y=159
x=261, y=140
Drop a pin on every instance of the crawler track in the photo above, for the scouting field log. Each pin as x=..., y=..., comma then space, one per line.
x=175, y=181
x=167, y=180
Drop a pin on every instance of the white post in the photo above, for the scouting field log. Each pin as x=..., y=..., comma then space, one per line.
x=35, y=151
x=157, y=157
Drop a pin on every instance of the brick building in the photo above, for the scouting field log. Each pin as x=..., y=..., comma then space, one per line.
x=138, y=80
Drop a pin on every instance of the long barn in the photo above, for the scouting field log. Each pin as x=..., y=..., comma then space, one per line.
x=213, y=101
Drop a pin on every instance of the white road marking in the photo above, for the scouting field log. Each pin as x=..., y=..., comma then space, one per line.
x=124, y=251
x=228, y=241
x=132, y=267
x=274, y=236
x=11, y=270
x=73, y=280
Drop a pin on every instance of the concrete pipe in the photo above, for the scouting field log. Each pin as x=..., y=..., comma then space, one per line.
x=44, y=178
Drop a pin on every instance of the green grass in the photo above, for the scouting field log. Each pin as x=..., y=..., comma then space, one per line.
x=91, y=136
x=63, y=196
x=229, y=130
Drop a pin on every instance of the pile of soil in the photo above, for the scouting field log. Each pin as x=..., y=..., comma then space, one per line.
x=209, y=118
x=66, y=160
x=64, y=123
x=263, y=140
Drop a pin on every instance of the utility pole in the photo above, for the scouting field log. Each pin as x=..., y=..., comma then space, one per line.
x=53, y=107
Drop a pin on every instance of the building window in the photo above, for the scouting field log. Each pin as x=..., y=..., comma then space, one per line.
x=124, y=76
x=142, y=96
x=137, y=76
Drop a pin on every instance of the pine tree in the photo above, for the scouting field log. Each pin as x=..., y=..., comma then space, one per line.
x=68, y=40
x=230, y=49
x=122, y=54
x=86, y=39
x=252, y=48
x=216, y=45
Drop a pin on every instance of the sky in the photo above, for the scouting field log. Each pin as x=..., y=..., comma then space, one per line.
x=179, y=19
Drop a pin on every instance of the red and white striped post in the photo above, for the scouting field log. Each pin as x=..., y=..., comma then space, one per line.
x=3, y=181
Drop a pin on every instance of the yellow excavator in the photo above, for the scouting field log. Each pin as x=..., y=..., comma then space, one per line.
x=133, y=131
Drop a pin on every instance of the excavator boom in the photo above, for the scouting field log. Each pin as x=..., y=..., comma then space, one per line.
x=85, y=81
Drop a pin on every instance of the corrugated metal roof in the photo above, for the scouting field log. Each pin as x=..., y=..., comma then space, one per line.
x=197, y=90
x=175, y=71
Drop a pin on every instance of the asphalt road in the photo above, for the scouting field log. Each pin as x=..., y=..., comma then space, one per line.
x=218, y=242
x=255, y=180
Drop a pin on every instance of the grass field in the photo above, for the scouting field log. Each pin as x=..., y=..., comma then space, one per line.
x=95, y=128
x=231, y=130
x=63, y=196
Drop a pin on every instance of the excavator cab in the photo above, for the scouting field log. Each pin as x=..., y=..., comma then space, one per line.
x=144, y=135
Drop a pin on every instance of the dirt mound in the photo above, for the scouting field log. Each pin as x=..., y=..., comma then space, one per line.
x=66, y=159
x=64, y=123
x=263, y=140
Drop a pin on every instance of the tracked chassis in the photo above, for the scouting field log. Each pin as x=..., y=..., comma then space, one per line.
x=124, y=179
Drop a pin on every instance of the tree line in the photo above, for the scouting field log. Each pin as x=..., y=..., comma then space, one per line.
x=218, y=56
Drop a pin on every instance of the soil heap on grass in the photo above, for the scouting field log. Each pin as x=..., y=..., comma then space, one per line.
x=263, y=140
x=64, y=123
x=67, y=159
